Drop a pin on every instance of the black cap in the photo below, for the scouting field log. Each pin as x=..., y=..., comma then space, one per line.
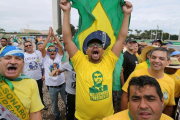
x=131, y=40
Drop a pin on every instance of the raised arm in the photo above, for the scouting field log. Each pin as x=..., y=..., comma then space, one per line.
x=60, y=50
x=118, y=46
x=43, y=51
x=67, y=35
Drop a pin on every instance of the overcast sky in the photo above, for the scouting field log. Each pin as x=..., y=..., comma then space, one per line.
x=37, y=14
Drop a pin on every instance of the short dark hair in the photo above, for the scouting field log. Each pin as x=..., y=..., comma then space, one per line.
x=142, y=81
x=27, y=42
x=4, y=38
x=51, y=46
x=161, y=49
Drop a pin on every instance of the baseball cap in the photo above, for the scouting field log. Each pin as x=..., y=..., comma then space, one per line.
x=130, y=40
x=97, y=36
x=156, y=40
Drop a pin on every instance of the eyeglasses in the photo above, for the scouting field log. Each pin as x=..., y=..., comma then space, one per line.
x=28, y=45
x=54, y=50
x=93, y=44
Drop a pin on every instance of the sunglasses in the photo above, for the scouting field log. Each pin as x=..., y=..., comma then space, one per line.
x=28, y=45
x=93, y=44
x=54, y=50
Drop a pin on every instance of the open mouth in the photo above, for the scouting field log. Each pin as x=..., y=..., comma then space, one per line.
x=11, y=69
x=95, y=53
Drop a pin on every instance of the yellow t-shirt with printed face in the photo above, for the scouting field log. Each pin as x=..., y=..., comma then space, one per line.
x=27, y=92
x=141, y=66
x=178, y=72
x=166, y=83
x=176, y=79
x=125, y=116
x=93, y=86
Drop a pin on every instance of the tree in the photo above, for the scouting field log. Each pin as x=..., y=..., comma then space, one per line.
x=138, y=32
x=73, y=30
x=2, y=30
x=129, y=30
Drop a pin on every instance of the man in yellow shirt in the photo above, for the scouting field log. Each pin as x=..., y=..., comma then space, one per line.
x=145, y=101
x=94, y=71
x=18, y=93
x=176, y=54
x=159, y=59
x=170, y=70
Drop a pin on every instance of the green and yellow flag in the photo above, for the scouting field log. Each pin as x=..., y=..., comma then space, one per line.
x=100, y=15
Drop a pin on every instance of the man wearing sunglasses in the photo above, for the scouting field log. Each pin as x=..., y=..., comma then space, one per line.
x=55, y=83
x=33, y=65
x=94, y=71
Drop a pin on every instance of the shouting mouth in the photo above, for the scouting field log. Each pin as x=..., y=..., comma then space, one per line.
x=12, y=69
x=95, y=53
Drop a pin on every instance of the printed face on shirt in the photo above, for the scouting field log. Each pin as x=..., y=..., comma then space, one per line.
x=94, y=52
x=11, y=66
x=98, y=78
x=158, y=60
x=144, y=103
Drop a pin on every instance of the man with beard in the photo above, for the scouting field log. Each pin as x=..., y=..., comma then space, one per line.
x=94, y=71
x=145, y=101
x=159, y=59
x=18, y=92
x=130, y=59
x=56, y=84
x=4, y=42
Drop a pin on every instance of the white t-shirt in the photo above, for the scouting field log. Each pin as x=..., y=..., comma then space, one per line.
x=15, y=44
x=32, y=65
x=71, y=78
x=49, y=66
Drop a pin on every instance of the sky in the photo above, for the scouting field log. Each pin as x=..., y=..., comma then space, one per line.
x=37, y=15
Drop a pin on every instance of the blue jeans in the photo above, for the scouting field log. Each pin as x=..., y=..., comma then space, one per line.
x=54, y=97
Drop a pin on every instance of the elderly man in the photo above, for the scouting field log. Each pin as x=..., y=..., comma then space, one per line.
x=19, y=93
x=145, y=101
x=94, y=71
x=159, y=59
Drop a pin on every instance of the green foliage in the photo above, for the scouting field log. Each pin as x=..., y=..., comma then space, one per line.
x=2, y=30
x=73, y=30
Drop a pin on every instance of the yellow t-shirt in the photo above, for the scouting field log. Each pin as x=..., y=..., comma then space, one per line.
x=178, y=72
x=125, y=116
x=166, y=83
x=176, y=79
x=93, y=86
x=139, y=58
x=27, y=92
x=141, y=66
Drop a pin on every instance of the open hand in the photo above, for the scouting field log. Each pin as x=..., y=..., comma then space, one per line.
x=127, y=8
x=65, y=5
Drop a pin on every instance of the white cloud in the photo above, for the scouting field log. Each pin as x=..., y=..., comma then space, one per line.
x=17, y=14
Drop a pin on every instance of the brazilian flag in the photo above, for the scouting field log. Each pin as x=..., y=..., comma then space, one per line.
x=100, y=15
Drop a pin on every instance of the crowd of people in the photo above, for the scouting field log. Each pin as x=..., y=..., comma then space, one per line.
x=150, y=77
